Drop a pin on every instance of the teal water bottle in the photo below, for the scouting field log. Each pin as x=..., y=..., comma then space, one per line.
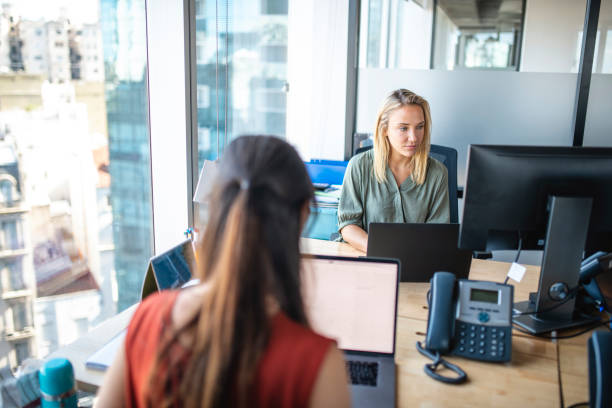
x=57, y=387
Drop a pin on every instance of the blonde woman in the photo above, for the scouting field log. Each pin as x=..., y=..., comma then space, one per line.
x=396, y=181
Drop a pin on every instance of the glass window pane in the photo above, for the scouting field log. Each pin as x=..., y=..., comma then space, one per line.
x=75, y=195
x=598, y=125
x=553, y=45
x=241, y=71
x=395, y=34
x=481, y=35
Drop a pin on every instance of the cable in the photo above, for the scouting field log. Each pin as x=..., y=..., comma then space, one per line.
x=430, y=369
x=579, y=404
x=571, y=294
x=561, y=402
x=518, y=254
x=520, y=246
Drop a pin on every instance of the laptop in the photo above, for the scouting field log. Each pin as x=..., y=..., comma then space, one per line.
x=422, y=249
x=170, y=269
x=354, y=301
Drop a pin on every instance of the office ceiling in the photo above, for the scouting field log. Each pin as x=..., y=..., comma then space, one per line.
x=483, y=14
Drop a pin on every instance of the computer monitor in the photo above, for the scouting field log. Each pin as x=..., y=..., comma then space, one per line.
x=558, y=199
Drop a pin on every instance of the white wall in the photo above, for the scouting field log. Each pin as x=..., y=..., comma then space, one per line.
x=493, y=107
x=316, y=73
x=168, y=121
x=550, y=39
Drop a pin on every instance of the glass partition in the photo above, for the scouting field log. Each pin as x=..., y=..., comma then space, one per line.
x=598, y=125
x=475, y=92
x=395, y=34
x=477, y=35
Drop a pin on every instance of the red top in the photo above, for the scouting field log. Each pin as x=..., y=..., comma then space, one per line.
x=285, y=375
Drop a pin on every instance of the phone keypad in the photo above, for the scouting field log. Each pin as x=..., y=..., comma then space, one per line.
x=487, y=343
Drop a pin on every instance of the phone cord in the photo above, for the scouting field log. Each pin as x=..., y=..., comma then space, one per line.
x=430, y=369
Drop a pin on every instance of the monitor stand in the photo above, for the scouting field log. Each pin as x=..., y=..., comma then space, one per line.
x=552, y=307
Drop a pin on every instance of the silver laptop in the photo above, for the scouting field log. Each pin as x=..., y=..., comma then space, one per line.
x=354, y=301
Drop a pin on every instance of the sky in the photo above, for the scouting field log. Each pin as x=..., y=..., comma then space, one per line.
x=77, y=11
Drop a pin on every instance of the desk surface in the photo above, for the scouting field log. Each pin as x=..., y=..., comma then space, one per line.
x=530, y=379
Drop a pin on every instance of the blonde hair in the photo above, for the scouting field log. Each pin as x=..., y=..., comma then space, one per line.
x=382, y=149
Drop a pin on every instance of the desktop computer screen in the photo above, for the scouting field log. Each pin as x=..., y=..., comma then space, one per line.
x=558, y=199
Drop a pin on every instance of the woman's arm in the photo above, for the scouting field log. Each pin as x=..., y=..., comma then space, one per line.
x=112, y=392
x=351, y=207
x=356, y=236
x=439, y=207
x=331, y=386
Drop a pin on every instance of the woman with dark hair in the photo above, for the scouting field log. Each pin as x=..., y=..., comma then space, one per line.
x=240, y=337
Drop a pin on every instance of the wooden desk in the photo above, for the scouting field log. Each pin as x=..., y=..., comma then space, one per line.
x=531, y=379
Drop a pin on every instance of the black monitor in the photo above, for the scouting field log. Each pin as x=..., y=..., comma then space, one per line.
x=558, y=199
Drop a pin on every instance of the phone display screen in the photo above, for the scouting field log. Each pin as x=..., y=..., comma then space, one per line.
x=481, y=295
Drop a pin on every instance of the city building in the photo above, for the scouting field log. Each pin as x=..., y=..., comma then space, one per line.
x=128, y=143
x=17, y=283
x=57, y=50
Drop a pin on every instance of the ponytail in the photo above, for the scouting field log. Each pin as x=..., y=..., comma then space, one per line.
x=228, y=329
x=249, y=253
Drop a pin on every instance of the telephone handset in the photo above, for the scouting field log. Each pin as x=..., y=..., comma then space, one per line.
x=467, y=318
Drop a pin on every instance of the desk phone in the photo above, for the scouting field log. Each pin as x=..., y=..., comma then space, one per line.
x=472, y=319
x=483, y=328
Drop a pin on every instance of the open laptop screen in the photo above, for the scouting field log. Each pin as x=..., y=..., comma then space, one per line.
x=352, y=301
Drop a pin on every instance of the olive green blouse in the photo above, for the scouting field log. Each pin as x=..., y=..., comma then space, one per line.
x=364, y=200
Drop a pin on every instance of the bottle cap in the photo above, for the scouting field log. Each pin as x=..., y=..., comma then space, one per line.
x=56, y=377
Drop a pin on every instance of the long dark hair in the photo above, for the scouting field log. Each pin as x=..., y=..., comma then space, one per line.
x=249, y=252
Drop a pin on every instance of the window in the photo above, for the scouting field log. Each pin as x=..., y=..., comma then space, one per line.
x=16, y=275
x=487, y=64
x=20, y=316
x=241, y=84
x=22, y=351
x=396, y=33
x=7, y=191
x=480, y=35
x=74, y=158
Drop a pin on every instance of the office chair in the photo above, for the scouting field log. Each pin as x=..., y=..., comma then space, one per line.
x=600, y=373
x=362, y=142
x=448, y=157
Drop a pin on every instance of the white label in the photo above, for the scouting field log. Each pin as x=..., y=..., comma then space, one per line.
x=516, y=272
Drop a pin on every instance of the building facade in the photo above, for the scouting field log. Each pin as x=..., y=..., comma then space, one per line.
x=17, y=282
x=128, y=143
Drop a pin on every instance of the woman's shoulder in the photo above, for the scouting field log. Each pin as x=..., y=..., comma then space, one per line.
x=152, y=310
x=362, y=162
x=436, y=170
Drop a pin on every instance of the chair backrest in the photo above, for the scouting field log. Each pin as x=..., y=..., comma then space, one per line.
x=448, y=157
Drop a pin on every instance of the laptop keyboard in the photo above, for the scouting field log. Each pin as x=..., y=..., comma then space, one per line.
x=362, y=372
